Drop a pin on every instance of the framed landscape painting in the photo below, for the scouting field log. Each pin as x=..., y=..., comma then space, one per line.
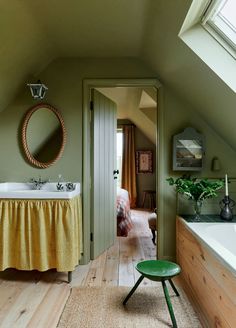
x=144, y=161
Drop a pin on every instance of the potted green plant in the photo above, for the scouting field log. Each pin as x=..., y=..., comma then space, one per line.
x=196, y=190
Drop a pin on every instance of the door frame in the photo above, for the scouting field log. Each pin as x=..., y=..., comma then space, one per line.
x=88, y=85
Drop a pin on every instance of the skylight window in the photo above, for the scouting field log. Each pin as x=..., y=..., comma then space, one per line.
x=220, y=21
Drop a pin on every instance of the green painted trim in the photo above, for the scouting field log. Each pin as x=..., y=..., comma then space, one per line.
x=86, y=174
x=160, y=169
x=88, y=85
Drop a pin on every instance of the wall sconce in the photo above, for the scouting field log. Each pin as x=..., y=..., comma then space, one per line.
x=38, y=89
x=215, y=164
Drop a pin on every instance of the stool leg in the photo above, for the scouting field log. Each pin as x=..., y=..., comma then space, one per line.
x=168, y=302
x=153, y=236
x=173, y=287
x=133, y=290
x=69, y=276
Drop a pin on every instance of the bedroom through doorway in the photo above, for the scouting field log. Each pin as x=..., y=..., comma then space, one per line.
x=136, y=162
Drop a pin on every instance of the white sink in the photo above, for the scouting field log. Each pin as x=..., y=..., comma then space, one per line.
x=49, y=190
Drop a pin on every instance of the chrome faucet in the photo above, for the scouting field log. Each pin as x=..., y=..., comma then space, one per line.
x=60, y=186
x=38, y=183
x=64, y=186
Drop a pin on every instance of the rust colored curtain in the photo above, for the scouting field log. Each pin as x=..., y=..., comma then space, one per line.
x=128, y=181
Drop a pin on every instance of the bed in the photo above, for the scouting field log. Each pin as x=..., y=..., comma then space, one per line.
x=124, y=223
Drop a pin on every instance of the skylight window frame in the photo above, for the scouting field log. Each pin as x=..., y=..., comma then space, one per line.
x=212, y=13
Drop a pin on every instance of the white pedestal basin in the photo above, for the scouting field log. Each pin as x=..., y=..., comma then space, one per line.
x=18, y=190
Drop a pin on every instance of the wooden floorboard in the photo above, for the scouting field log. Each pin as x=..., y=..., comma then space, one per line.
x=49, y=310
x=79, y=275
x=34, y=300
x=111, y=268
x=126, y=269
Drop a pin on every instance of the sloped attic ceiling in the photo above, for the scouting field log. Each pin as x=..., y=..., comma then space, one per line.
x=24, y=50
x=182, y=70
x=34, y=33
x=130, y=103
x=92, y=28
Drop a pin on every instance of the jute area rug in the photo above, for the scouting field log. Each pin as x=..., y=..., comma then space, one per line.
x=101, y=307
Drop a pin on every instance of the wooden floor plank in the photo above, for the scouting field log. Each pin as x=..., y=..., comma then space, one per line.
x=49, y=311
x=9, y=298
x=79, y=275
x=144, y=245
x=95, y=274
x=14, y=283
x=25, y=302
x=126, y=269
x=111, y=269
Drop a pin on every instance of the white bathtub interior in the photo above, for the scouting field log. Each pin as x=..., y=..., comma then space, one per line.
x=220, y=238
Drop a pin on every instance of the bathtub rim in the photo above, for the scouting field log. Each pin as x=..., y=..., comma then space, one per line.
x=224, y=260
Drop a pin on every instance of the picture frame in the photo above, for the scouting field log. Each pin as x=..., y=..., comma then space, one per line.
x=144, y=161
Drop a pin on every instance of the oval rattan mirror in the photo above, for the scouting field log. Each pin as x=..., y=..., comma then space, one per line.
x=43, y=135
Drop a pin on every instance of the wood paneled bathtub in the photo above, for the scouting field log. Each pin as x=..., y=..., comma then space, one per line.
x=206, y=278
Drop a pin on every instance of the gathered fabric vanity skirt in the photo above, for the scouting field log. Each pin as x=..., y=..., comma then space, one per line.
x=40, y=234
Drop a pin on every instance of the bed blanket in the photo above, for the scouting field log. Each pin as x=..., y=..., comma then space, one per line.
x=124, y=222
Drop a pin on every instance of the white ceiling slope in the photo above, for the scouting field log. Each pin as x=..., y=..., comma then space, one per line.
x=33, y=33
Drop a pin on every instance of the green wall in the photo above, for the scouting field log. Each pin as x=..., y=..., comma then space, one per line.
x=64, y=79
x=177, y=116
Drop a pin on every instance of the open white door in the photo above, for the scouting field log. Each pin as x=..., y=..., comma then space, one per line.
x=103, y=179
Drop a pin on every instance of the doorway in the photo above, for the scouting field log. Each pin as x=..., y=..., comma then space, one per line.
x=87, y=87
x=136, y=144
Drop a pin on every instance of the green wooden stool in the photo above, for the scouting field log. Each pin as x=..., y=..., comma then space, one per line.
x=158, y=270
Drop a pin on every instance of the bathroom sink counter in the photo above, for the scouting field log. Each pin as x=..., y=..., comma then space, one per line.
x=19, y=190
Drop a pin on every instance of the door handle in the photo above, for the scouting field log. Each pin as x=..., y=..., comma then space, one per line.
x=115, y=172
x=115, y=178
